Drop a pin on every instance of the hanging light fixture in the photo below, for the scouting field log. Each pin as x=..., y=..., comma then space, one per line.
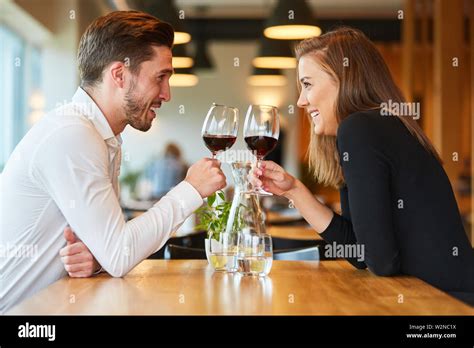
x=166, y=11
x=291, y=20
x=266, y=78
x=274, y=54
x=202, y=61
x=183, y=78
x=201, y=58
x=180, y=57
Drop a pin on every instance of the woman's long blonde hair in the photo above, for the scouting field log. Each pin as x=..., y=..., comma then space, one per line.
x=364, y=83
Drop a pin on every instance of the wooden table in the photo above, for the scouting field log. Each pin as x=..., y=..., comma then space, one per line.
x=294, y=232
x=161, y=287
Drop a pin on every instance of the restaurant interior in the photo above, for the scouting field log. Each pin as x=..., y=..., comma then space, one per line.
x=224, y=57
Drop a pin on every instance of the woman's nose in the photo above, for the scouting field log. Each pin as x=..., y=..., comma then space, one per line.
x=302, y=101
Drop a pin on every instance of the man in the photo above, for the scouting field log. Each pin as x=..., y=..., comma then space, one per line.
x=64, y=172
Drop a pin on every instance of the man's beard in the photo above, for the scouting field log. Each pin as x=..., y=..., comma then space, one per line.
x=136, y=110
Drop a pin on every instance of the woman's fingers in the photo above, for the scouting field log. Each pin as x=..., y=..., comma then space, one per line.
x=269, y=176
x=254, y=179
x=269, y=186
x=276, y=176
x=271, y=166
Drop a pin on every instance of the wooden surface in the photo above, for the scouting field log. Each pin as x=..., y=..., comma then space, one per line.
x=161, y=287
x=289, y=232
x=448, y=42
x=294, y=232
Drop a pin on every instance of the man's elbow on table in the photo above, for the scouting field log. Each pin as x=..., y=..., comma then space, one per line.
x=116, y=268
x=117, y=273
x=79, y=261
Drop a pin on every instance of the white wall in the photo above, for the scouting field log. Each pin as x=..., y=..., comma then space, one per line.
x=59, y=68
x=59, y=73
x=227, y=86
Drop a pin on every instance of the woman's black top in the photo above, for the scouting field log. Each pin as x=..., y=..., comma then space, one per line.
x=398, y=203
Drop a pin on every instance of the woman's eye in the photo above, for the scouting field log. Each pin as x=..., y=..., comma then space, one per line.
x=306, y=84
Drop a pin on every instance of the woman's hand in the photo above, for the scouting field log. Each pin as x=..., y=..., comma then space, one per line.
x=273, y=178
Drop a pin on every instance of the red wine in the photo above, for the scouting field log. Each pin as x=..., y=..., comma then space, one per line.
x=217, y=143
x=262, y=144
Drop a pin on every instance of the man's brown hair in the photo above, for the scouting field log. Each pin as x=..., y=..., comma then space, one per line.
x=126, y=36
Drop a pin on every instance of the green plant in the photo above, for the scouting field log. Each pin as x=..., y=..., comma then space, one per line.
x=130, y=180
x=213, y=216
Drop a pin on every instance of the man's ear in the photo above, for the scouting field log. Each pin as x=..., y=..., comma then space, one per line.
x=117, y=74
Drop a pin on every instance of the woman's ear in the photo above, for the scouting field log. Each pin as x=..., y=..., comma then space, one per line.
x=117, y=74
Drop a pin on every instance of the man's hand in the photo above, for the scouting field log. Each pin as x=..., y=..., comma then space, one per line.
x=206, y=176
x=76, y=257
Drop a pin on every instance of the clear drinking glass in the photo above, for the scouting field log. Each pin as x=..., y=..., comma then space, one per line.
x=219, y=130
x=261, y=131
x=255, y=254
x=223, y=252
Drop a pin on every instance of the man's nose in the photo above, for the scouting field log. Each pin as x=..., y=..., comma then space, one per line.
x=165, y=93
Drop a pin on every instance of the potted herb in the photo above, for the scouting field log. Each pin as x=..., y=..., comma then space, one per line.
x=213, y=218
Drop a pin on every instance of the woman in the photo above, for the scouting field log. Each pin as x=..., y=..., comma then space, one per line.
x=396, y=199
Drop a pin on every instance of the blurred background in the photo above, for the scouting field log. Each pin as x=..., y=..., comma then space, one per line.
x=427, y=44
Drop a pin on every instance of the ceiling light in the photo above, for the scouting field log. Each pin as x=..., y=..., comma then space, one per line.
x=291, y=20
x=183, y=78
x=266, y=78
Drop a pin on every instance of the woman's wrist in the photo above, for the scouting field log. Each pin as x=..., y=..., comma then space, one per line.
x=293, y=193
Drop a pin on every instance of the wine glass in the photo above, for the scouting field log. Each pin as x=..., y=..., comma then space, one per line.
x=261, y=131
x=220, y=128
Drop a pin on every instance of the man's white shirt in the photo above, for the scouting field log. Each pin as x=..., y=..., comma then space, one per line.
x=65, y=172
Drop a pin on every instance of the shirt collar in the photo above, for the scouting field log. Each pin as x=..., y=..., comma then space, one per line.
x=90, y=109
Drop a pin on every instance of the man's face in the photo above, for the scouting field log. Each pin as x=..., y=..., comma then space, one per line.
x=148, y=89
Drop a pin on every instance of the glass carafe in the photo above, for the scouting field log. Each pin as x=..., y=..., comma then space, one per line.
x=247, y=221
x=245, y=213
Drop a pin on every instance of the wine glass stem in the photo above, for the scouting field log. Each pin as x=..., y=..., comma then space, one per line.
x=259, y=162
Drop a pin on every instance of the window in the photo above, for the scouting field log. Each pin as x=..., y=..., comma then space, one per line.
x=20, y=76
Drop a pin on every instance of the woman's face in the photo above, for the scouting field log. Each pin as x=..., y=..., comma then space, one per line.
x=318, y=96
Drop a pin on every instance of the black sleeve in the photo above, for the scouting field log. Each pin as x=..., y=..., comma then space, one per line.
x=366, y=172
x=340, y=232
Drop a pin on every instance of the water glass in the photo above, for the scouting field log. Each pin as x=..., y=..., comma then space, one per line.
x=255, y=254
